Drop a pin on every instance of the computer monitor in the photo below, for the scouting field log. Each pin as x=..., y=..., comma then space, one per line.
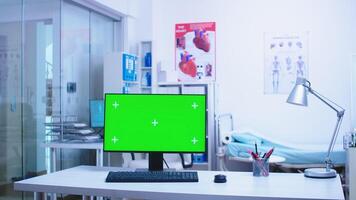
x=97, y=113
x=156, y=124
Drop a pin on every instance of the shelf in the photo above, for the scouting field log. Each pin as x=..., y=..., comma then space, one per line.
x=131, y=82
x=145, y=65
x=183, y=83
x=146, y=68
x=200, y=163
x=146, y=87
x=147, y=41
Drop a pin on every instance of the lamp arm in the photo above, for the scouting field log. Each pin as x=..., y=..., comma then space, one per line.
x=340, y=114
x=328, y=161
x=328, y=102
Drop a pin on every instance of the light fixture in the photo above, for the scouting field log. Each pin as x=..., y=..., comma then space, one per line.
x=298, y=96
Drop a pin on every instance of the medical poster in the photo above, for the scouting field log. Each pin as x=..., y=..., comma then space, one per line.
x=286, y=58
x=129, y=67
x=195, y=51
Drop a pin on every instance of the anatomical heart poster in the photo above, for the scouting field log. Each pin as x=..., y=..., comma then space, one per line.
x=286, y=58
x=195, y=52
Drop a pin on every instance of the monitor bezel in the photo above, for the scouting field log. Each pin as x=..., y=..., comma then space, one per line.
x=130, y=151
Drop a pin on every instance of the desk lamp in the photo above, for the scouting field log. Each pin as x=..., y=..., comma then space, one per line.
x=298, y=96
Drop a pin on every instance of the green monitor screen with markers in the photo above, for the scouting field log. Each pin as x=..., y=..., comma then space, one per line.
x=155, y=123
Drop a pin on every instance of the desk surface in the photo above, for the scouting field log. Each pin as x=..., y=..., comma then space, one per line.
x=90, y=180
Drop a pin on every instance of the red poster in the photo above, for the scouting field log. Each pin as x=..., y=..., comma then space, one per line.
x=195, y=51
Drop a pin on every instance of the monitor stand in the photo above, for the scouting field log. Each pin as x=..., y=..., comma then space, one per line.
x=155, y=161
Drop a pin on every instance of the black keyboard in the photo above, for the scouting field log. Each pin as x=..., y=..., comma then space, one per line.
x=152, y=176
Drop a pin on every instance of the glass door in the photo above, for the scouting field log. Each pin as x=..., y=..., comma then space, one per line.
x=51, y=65
x=75, y=43
x=86, y=37
x=41, y=73
x=101, y=43
x=10, y=98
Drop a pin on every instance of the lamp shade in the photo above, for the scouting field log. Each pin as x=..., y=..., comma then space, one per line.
x=298, y=95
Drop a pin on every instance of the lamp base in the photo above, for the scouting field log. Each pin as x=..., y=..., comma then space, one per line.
x=319, y=173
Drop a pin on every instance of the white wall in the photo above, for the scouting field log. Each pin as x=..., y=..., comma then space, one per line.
x=139, y=20
x=121, y=6
x=240, y=57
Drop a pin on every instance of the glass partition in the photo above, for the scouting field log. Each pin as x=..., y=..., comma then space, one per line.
x=75, y=35
x=41, y=71
x=101, y=43
x=10, y=97
x=51, y=65
x=75, y=61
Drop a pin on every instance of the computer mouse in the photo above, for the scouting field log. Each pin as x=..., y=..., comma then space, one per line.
x=220, y=178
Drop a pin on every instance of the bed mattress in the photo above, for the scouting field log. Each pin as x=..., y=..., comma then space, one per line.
x=241, y=143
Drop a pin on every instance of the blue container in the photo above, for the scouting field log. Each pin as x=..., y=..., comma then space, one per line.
x=149, y=79
x=148, y=59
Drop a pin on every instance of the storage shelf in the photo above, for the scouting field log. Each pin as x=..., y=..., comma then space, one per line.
x=131, y=82
x=183, y=83
x=200, y=163
x=146, y=87
x=146, y=68
x=144, y=48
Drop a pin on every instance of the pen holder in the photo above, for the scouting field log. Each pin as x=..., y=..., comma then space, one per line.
x=260, y=167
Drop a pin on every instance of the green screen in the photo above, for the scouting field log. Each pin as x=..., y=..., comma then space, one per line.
x=154, y=123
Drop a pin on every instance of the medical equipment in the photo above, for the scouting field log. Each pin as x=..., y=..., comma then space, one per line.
x=298, y=96
x=223, y=138
x=350, y=139
x=292, y=157
x=295, y=155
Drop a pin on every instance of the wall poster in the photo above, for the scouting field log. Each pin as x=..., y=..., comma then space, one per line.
x=195, y=51
x=286, y=58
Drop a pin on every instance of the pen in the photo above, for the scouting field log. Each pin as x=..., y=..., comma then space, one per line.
x=269, y=153
x=253, y=154
x=256, y=148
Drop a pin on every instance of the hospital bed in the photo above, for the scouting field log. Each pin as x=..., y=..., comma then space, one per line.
x=237, y=144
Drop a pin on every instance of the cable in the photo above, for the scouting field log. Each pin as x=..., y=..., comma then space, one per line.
x=165, y=163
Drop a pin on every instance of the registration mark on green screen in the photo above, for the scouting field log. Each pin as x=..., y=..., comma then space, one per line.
x=154, y=123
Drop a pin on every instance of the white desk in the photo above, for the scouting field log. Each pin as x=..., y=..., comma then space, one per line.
x=90, y=180
x=98, y=146
x=54, y=145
